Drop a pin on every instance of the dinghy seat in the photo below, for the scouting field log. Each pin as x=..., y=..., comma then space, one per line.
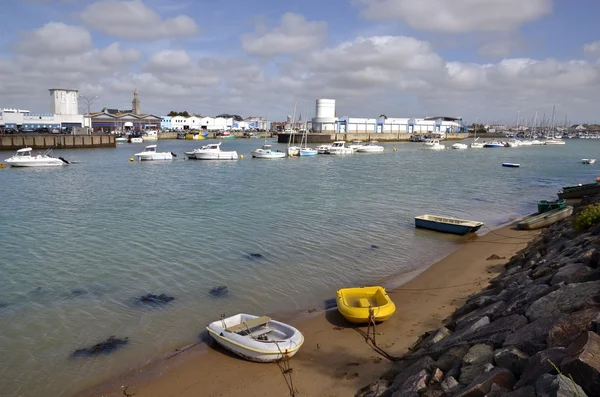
x=245, y=326
x=363, y=302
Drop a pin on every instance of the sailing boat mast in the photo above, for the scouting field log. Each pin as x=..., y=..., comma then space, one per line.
x=552, y=126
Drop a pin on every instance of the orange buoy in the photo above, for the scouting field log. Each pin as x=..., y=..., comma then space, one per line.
x=598, y=179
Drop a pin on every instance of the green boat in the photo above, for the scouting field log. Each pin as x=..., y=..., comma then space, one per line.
x=538, y=221
x=579, y=191
x=545, y=205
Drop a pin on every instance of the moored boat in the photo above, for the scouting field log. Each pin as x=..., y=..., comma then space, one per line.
x=493, y=145
x=339, y=147
x=511, y=165
x=322, y=149
x=255, y=338
x=433, y=144
x=211, y=152
x=150, y=154
x=357, y=304
x=588, y=161
x=446, y=224
x=23, y=158
x=267, y=152
x=307, y=151
x=136, y=139
x=545, y=219
x=459, y=146
x=370, y=147
x=545, y=205
x=355, y=145
x=579, y=191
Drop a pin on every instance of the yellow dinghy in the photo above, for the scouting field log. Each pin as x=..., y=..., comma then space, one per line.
x=354, y=304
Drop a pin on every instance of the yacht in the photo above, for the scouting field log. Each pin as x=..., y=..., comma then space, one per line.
x=150, y=154
x=212, y=152
x=339, y=147
x=459, y=145
x=323, y=149
x=267, y=152
x=355, y=145
x=370, y=147
x=493, y=145
x=23, y=158
x=433, y=144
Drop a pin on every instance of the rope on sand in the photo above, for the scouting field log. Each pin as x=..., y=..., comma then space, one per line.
x=286, y=371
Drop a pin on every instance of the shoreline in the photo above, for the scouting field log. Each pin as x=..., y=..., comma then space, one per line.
x=335, y=360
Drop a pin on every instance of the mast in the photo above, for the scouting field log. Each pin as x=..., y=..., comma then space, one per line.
x=552, y=126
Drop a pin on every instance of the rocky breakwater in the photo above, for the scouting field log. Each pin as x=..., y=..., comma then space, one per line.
x=534, y=331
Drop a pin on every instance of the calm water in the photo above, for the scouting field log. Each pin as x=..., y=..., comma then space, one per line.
x=79, y=243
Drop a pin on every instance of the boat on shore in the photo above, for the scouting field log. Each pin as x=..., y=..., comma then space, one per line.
x=255, y=338
x=446, y=224
x=211, y=152
x=23, y=158
x=357, y=305
x=150, y=135
x=579, y=191
x=545, y=219
x=545, y=205
x=150, y=153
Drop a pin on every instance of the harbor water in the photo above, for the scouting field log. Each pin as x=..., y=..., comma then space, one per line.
x=79, y=243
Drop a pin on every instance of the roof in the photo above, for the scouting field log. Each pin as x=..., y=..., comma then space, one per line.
x=444, y=118
x=25, y=149
x=62, y=89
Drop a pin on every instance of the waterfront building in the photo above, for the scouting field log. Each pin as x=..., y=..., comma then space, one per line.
x=165, y=123
x=182, y=123
x=63, y=115
x=113, y=120
x=326, y=121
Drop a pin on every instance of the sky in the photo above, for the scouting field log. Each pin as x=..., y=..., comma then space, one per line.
x=483, y=60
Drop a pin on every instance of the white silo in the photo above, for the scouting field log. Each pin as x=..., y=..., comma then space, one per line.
x=325, y=120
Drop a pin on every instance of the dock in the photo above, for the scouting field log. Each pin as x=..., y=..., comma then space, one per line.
x=365, y=137
x=55, y=141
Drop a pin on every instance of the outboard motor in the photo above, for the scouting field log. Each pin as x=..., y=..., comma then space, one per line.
x=64, y=160
x=173, y=154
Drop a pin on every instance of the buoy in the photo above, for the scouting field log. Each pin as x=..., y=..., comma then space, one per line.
x=597, y=179
x=131, y=159
x=395, y=150
x=2, y=165
x=242, y=156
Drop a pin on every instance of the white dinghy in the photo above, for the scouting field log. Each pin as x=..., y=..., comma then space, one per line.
x=255, y=338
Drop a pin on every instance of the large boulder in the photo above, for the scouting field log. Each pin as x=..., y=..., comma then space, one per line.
x=557, y=386
x=582, y=362
x=412, y=385
x=532, y=337
x=474, y=363
x=423, y=364
x=452, y=356
x=572, y=326
x=567, y=299
x=490, y=311
x=483, y=383
x=571, y=273
x=520, y=302
x=512, y=359
x=541, y=363
x=527, y=391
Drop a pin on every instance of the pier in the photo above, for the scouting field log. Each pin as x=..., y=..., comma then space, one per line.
x=39, y=141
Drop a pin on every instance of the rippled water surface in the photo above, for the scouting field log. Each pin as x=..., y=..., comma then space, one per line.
x=79, y=243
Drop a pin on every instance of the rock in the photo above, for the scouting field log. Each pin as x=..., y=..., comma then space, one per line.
x=494, y=257
x=435, y=337
x=155, y=299
x=572, y=326
x=108, y=346
x=412, y=385
x=450, y=385
x=483, y=384
x=521, y=301
x=219, y=291
x=557, y=386
x=254, y=255
x=595, y=259
x=542, y=272
x=423, y=364
x=532, y=337
x=564, y=300
x=474, y=361
x=540, y=364
x=587, y=256
x=512, y=359
x=473, y=325
x=433, y=391
x=497, y=391
x=437, y=376
x=527, y=391
x=572, y=273
x=374, y=389
x=452, y=356
x=489, y=311
x=582, y=362
x=373, y=247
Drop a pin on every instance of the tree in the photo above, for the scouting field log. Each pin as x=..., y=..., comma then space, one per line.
x=184, y=114
x=383, y=116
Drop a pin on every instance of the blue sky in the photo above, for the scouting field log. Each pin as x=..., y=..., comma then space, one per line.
x=481, y=59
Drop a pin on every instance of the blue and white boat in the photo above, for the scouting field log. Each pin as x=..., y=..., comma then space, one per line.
x=267, y=152
x=493, y=145
x=306, y=151
x=445, y=224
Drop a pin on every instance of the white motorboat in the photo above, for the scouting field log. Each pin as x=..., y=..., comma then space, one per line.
x=476, y=145
x=525, y=142
x=433, y=144
x=537, y=142
x=355, y=145
x=150, y=154
x=323, y=149
x=23, y=158
x=513, y=143
x=493, y=145
x=120, y=139
x=554, y=141
x=255, y=338
x=267, y=152
x=460, y=146
x=212, y=152
x=293, y=151
x=339, y=147
x=150, y=135
x=588, y=161
x=136, y=139
x=370, y=147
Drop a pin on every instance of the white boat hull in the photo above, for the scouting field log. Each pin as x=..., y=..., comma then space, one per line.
x=263, y=154
x=281, y=343
x=340, y=151
x=434, y=147
x=137, y=140
x=370, y=149
x=154, y=156
x=33, y=162
x=459, y=146
x=304, y=152
x=216, y=156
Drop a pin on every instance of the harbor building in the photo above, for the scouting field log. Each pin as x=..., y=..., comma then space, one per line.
x=326, y=121
x=63, y=116
x=112, y=120
x=182, y=123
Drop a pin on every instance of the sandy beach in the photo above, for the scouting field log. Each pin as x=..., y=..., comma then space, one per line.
x=335, y=359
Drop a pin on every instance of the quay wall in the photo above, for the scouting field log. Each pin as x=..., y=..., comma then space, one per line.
x=381, y=137
x=15, y=142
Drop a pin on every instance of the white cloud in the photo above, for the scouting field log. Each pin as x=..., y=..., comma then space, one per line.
x=294, y=34
x=134, y=20
x=55, y=38
x=592, y=50
x=169, y=60
x=497, y=49
x=457, y=16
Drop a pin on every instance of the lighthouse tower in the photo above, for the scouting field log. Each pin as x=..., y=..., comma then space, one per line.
x=135, y=104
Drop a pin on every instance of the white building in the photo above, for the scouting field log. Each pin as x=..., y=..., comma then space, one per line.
x=326, y=121
x=181, y=123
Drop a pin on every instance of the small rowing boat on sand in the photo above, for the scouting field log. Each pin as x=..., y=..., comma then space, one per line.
x=545, y=219
x=356, y=304
x=579, y=191
x=446, y=224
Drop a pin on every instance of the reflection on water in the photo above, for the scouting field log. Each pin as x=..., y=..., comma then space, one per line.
x=80, y=243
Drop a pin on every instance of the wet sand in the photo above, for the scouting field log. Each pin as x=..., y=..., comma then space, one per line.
x=335, y=360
